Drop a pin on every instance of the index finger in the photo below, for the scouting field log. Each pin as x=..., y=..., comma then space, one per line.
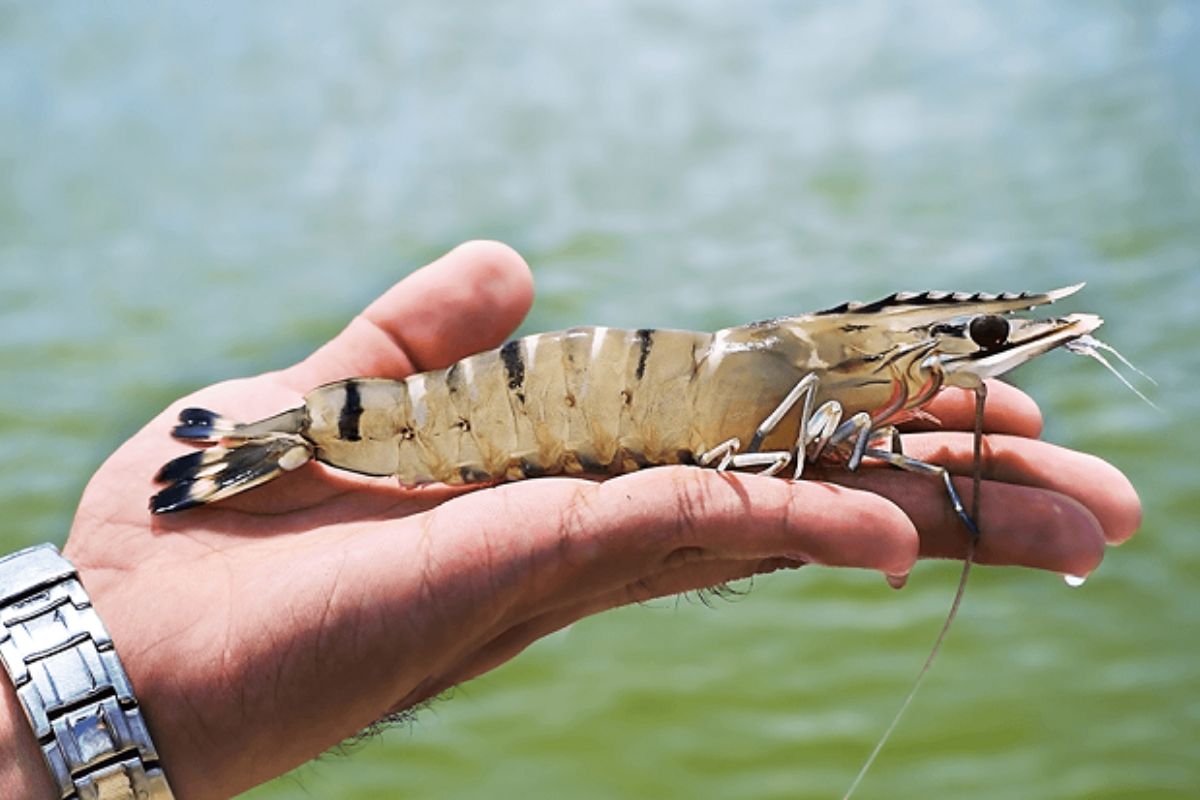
x=1006, y=410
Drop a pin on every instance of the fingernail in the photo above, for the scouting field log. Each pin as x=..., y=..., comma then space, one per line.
x=897, y=581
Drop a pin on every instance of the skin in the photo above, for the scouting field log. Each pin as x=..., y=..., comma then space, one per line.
x=262, y=631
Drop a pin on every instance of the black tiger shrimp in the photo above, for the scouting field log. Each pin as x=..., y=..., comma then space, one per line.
x=827, y=386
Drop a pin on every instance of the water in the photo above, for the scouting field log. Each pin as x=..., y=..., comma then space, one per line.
x=201, y=192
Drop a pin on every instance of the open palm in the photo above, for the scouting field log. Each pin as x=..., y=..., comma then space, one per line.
x=260, y=631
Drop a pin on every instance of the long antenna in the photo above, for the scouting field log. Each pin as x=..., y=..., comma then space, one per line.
x=976, y=495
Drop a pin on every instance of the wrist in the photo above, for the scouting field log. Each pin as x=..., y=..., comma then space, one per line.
x=23, y=771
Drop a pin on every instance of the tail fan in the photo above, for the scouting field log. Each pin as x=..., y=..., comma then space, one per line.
x=202, y=425
x=249, y=455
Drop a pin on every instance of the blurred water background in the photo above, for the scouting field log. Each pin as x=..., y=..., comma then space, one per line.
x=194, y=192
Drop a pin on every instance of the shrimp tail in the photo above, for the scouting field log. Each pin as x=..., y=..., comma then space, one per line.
x=243, y=457
x=202, y=425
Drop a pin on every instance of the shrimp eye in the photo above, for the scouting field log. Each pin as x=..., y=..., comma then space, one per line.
x=989, y=331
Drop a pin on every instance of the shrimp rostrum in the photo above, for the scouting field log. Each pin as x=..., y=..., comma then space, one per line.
x=771, y=396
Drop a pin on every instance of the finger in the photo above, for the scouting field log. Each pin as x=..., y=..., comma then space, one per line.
x=1091, y=481
x=468, y=300
x=1020, y=525
x=1007, y=410
x=568, y=536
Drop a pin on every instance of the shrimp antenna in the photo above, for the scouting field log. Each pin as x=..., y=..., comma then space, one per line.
x=1090, y=346
x=976, y=493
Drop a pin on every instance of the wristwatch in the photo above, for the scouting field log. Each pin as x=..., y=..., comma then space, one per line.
x=70, y=682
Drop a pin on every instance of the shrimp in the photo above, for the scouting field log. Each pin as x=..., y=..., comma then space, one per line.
x=824, y=387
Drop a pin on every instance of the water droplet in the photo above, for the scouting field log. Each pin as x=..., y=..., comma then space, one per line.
x=1074, y=581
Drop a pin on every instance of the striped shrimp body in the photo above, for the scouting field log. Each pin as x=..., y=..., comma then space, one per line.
x=823, y=386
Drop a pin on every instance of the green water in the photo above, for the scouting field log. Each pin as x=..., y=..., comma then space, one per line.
x=193, y=193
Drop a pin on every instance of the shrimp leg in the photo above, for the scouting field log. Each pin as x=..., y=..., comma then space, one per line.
x=909, y=464
x=824, y=427
x=821, y=426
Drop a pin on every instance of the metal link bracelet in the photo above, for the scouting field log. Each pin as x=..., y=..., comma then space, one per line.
x=71, y=684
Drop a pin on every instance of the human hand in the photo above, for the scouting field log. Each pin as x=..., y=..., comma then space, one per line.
x=260, y=631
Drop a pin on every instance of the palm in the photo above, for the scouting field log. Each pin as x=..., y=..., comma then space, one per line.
x=260, y=631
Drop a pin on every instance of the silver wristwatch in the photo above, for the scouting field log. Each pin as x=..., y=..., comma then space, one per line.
x=71, y=684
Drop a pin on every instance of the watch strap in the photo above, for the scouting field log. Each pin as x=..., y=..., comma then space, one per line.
x=71, y=684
